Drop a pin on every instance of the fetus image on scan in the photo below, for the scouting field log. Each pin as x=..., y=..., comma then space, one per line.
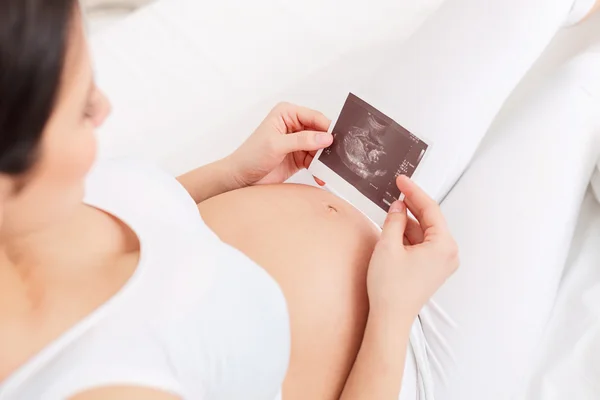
x=370, y=150
x=361, y=148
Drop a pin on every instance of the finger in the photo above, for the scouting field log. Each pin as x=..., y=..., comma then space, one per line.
x=309, y=119
x=302, y=159
x=413, y=232
x=310, y=156
x=395, y=223
x=424, y=208
x=307, y=160
x=312, y=119
x=305, y=141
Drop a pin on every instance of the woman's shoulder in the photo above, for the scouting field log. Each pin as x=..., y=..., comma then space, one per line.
x=139, y=189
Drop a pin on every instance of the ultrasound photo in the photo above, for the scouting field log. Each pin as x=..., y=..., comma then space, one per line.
x=370, y=150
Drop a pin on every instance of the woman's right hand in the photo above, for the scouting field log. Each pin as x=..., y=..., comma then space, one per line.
x=413, y=258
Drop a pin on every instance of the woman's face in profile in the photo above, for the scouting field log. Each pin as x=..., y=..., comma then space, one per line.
x=54, y=185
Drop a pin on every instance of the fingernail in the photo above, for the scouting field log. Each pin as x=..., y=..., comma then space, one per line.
x=323, y=138
x=397, y=206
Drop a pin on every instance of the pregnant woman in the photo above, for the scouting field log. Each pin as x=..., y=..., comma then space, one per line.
x=113, y=287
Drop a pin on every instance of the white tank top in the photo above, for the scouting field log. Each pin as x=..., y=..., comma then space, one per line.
x=197, y=319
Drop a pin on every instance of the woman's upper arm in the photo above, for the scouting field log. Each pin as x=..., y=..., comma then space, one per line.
x=125, y=393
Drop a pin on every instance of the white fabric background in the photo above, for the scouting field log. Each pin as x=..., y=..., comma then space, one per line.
x=103, y=13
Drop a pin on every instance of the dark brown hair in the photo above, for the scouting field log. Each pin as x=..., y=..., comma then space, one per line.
x=33, y=45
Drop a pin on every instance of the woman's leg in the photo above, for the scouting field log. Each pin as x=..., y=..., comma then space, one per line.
x=450, y=79
x=447, y=82
x=513, y=213
x=318, y=248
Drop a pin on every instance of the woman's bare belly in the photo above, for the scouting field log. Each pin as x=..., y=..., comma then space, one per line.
x=318, y=248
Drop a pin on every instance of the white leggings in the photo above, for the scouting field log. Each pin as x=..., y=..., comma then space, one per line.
x=514, y=209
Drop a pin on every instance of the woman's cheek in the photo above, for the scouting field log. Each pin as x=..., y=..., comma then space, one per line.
x=87, y=155
x=74, y=160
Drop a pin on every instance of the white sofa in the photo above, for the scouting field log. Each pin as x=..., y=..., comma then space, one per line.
x=189, y=80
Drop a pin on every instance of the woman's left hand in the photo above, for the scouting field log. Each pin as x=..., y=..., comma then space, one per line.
x=285, y=142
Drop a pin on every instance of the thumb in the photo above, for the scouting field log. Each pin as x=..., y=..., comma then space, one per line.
x=306, y=141
x=395, y=223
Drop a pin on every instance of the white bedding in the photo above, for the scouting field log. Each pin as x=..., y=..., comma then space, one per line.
x=190, y=79
x=569, y=363
x=176, y=69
